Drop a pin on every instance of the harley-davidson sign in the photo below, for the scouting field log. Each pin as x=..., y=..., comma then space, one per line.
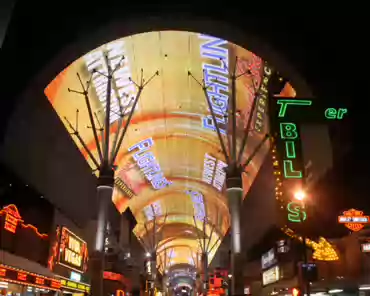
x=354, y=219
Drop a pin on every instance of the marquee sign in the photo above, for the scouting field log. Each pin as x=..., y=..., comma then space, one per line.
x=72, y=251
x=353, y=219
x=18, y=276
x=77, y=286
x=286, y=117
x=13, y=219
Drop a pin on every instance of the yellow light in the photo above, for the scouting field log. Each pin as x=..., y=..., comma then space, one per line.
x=300, y=195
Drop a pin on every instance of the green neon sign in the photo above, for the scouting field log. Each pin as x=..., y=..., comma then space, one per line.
x=296, y=214
x=289, y=134
x=332, y=113
x=284, y=103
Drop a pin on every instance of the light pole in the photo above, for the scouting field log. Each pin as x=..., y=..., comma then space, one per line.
x=106, y=151
x=300, y=195
x=233, y=152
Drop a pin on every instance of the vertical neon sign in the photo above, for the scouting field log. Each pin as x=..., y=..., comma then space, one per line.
x=286, y=132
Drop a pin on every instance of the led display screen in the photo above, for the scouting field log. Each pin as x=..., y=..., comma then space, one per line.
x=170, y=162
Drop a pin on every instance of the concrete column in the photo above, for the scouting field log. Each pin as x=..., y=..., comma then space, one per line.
x=235, y=196
x=205, y=273
x=96, y=264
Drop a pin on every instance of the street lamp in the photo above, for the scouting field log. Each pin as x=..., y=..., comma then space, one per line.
x=301, y=195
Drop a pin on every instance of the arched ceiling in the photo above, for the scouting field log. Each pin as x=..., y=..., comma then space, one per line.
x=170, y=167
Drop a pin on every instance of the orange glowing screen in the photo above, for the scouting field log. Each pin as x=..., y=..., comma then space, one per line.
x=170, y=161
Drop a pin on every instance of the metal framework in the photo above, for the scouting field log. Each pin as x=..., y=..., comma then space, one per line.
x=205, y=248
x=107, y=151
x=234, y=157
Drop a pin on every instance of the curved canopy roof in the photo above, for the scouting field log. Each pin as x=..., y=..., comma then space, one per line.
x=170, y=164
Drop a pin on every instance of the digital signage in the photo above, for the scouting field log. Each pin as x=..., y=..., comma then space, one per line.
x=170, y=162
x=19, y=276
x=72, y=251
x=268, y=259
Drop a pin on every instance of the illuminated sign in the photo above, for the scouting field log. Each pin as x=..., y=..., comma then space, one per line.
x=74, y=285
x=97, y=62
x=268, y=259
x=153, y=210
x=214, y=171
x=216, y=75
x=18, y=276
x=333, y=113
x=282, y=246
x=261, y=98
x=365, y=248
x=112, y=276
x=170, y=145
x=354, y=219
x=148, y=164
x=13, y=219
x=72, y=251
x=198, y=202
x=295, y=213
x=126, y=190
x=290, y=161
x=75, y=276
x=271, y=275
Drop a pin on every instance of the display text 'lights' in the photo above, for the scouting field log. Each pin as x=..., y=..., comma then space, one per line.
x=216, y=75
x=353, y=219
x=72, y=251
x=214, y=171
x=148, y=164
x=13, y=219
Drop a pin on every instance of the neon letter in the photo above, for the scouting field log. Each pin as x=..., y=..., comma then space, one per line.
x=289, y=171
x=290, y=149
x=331, y=113
x=288, y=131
x=296, y=214
x=341, y=112
x=284, y=104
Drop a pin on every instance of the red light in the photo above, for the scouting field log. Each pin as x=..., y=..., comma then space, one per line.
x=22, y=276
x=39, y=281
x=295, y=292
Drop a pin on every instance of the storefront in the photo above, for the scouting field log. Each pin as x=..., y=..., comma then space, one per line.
x=15, y=281
x=116, y=284
x=75, y=288
x=68, y=260
x=24, y=253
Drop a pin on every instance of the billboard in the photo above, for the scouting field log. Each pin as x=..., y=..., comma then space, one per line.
x=72, y=251
x=170, y=161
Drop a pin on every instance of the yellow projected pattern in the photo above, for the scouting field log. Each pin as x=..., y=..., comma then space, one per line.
x=170, y=165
